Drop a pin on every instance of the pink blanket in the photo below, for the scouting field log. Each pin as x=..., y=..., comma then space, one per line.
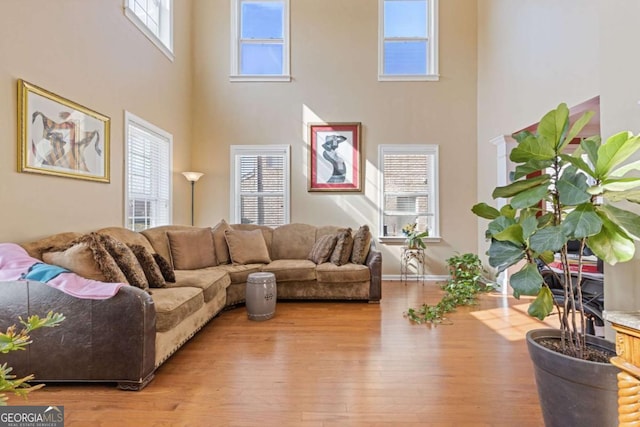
x=16, y=264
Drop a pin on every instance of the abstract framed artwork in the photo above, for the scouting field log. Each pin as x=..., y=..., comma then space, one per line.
x=59, y=137
x=335, y=157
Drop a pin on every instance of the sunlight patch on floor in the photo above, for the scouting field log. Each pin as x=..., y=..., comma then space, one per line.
x=512, y=322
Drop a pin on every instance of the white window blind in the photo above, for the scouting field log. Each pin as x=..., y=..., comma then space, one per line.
x=409, y=188
x=260, y=40
x=155, y=19
x=260, y=185
x=148, y=174
x=407, y=40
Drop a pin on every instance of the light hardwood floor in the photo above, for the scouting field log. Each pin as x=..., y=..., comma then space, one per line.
x=332, y=364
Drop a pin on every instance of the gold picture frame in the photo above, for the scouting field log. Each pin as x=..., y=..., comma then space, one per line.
x=335, y=157
x=59, y=137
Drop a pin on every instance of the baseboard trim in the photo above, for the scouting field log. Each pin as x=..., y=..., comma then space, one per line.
x=412, y=277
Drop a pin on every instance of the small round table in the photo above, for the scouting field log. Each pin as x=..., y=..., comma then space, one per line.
x=408, y=255
x=261, y=295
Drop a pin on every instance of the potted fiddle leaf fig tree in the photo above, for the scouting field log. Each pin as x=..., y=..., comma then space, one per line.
x=562, y=192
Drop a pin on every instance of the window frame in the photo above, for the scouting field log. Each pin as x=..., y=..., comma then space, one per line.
x=132, y=118
x=236, y=16
x=426, y=149
x=432, y=72
x=166, y=49
x=236, y=151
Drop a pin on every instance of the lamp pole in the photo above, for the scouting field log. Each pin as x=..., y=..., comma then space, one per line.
x=192, y=177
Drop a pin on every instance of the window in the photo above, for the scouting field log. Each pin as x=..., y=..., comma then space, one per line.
x=409, y=189
x=148, y=174
x=155, y=19
x=260, y=40
x=407, y=40
x=260, y=184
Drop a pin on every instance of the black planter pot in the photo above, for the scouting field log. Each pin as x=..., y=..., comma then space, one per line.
x=574, y=392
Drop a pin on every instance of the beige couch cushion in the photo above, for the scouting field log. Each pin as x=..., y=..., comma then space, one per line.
x=331, y=273
x=344, y=246
x=361, y=242
x=35, y=249
x=293, y=241
x=126, y=236
x=86, y=257
x=238, y=273
x=288, y=270
x=157, y=237
x=267, y=232
x=192, y=249
x=211, y=280
x=323, y=248
x=247, y=247
x=220, y=242
x=174, y=305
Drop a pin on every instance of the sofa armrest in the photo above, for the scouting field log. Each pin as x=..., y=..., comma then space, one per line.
x=110, y=340
x=374, y=262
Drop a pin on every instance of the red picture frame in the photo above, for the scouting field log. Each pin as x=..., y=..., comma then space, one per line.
x=335, y=162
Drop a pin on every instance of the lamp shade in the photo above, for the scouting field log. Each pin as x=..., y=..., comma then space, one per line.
x=192, y=176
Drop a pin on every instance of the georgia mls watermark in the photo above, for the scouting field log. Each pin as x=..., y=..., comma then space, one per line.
x=31, y=416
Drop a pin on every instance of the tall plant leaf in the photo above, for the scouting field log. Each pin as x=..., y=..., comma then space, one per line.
x=508, y=211
x=572, y=187
x=621, y=171
x=590, y=146
x=542, y=306
x=529, y=225
x=582, y=222
x=512, y=234
x=483, y=210
x=578, y=163
x=620, y=184
x=521, y=136
x=499, y=224
x=618, y=196
x=527, y=281
x=518, y=186
x=530, y=167
x=578, y=125
x=504, y=254
x=612, y=244
x=629, y=221
x=548, y=239
x=529, y=197
x=553, y=126
x=532, y=148
x=614, y=151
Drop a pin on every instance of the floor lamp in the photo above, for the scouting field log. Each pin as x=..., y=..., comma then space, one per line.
x=192, y=177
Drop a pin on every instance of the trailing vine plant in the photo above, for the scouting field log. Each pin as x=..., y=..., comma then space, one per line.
x=465, y=282
x=13, y=340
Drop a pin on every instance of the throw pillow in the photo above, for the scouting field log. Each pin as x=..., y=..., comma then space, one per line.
x=344, y=245
x=323, y=248
x=86, y=257
x=165, y=268
x=126, y=260
x=247, y=247
x=361, y=243
x=192, y=249
x=220, y=242
x=149, y=266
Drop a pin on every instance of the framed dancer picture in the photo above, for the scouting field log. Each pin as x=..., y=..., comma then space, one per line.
x=59, y=137
x=334, y=157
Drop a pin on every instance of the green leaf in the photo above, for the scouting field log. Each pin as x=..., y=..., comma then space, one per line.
x=483, y=210
x=578, y=163
x=590, y=146
x=614, y=151
x=499, y=224
x=621, y=184
x=508, y=211
x=504, y=254
x=547, y=257
x=513, y=234
x=519, y=186
x=550, y=238
x=532, y=148
x=527, y=281
x=629, y=221
x=530, y=197
x=578, y=125
x=572, y=187
x=544, y=220
x=582, y=222
x=529, y=225
x=612, y=244
x=623, y=170
x=553, y=126
x=521, y=136
x=618, y=196
x=531, y=167
x=542, y=306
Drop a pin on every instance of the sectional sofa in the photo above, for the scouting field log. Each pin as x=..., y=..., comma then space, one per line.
x=180, y=277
